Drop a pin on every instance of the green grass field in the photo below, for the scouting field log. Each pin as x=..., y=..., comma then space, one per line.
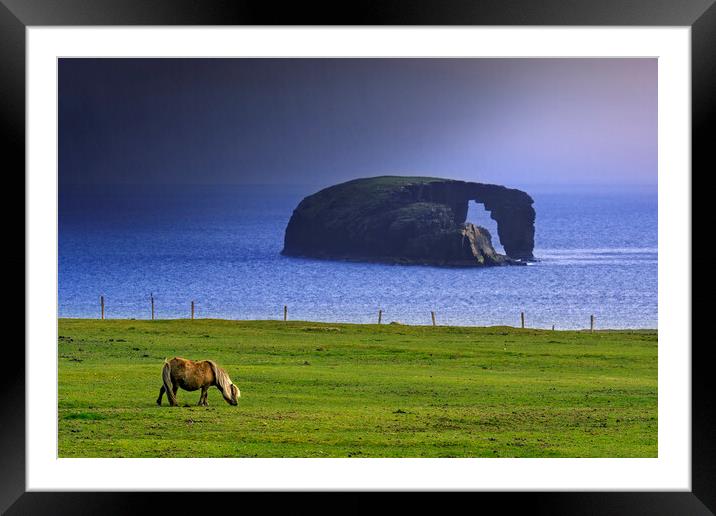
x=347, y=390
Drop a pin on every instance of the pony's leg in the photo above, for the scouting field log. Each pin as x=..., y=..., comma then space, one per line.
x=203, y=399
x=175, y=388
x=161, y=393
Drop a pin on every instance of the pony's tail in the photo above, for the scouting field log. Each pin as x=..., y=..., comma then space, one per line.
x=167, y=379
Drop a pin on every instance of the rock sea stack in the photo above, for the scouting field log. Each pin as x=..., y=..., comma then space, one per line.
x=411, y=220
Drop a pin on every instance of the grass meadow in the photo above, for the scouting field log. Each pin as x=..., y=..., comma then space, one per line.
x=352, y=390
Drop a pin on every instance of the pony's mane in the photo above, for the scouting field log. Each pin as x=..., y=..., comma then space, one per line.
x=222, y=379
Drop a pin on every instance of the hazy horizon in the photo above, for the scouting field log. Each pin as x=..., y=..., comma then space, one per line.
x=305, y=122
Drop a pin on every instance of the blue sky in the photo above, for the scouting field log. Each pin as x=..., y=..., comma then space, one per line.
x=322, y=121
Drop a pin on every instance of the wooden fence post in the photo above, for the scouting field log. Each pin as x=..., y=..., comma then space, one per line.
x=151, y=297
x=192, y=310
x=432, y=314
x=380, y=316
x=101, y=302
x=591, y=323
x=553, y=327
x=285, y=313
x=522, y=318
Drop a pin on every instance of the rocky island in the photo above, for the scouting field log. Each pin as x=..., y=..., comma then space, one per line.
x=411, y=220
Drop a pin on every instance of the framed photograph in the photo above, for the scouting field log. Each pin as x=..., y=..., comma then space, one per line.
x=424, y=247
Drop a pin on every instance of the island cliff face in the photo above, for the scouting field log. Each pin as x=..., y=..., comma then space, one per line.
x=417, y=220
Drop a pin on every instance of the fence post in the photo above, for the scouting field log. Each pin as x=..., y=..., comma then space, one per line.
x=101, y=302
x=285, y=313
x=192, y=310
x=553, y=327
x=380, y=316
x=591, y=323
x=151, y=297
x=522, y=318
x=432, y=314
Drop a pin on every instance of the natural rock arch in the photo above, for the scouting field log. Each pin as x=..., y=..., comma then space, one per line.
x=510, y=208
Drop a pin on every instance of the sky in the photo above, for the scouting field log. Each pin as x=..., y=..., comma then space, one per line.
x=515, y=122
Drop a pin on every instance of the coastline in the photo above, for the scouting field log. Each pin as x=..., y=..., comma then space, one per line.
x=389, y=324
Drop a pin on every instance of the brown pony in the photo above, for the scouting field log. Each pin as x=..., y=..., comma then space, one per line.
x=191, y=375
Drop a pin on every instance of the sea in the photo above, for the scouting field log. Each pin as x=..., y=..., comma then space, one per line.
x=220, y=246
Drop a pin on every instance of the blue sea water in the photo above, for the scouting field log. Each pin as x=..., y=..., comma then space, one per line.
x=220, y=246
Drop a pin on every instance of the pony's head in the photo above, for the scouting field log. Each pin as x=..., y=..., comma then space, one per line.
x=235, y=395
x=229, y=391
x=231, y=394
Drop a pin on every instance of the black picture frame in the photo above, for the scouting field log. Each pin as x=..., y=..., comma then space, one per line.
x=700, y=15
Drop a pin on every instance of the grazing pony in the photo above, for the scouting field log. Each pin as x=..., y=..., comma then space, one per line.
x=191, y=375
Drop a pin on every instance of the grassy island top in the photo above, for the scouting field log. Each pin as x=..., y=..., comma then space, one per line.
x=362, y=193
